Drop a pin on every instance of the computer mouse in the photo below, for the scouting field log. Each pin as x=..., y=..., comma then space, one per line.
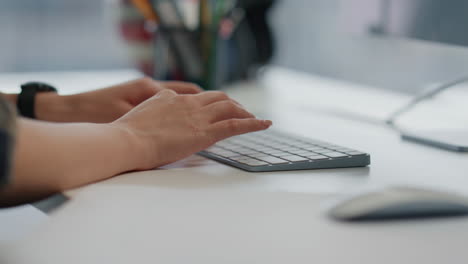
x=397, y=202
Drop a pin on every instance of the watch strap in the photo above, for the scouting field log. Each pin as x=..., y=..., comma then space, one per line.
x=27, y=98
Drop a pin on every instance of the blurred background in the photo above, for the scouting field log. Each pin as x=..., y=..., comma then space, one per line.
x=363, y=41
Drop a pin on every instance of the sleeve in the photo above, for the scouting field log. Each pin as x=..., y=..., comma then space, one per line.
x=7, y=139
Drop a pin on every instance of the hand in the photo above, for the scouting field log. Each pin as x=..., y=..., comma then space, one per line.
x=104, y=105
x=169, y=127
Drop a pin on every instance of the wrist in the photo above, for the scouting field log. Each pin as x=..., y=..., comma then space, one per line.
x=12, y=98
x=52, y=107
x=137, y=149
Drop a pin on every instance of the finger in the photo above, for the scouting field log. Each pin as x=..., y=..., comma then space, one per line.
x=233, y=127
x=147, y=83
x=141, y=89
x=182, y=87
x=207, y=98
x=224, y=110
x=166, y=94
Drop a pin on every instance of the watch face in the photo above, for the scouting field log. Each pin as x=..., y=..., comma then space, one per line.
x=39, y=87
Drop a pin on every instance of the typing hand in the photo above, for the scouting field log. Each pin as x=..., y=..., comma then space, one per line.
x=104, y=105
x=169, y=127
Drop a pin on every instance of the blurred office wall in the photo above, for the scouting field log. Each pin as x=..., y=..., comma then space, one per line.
x=42, y=35
x=328, y=37
x=331, y=38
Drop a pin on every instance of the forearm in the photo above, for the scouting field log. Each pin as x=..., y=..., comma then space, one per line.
x=12, y=98
x=50, y=106
x=55, y=157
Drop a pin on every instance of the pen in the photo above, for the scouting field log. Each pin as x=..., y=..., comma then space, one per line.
x=147, y=10
x=204, y=27
x=205, y=13
x=218, y=9
x=181, y=41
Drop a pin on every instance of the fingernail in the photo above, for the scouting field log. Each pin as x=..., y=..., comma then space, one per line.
x=268, y=122
x=238, y=103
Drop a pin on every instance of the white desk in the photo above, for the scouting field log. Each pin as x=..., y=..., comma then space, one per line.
x=298, y=103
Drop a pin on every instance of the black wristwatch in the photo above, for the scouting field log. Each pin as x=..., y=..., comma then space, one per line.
x=27, y=97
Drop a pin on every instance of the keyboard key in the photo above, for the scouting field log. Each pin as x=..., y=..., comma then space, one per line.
x=288, y=148
x=254, y=146
x=325, y=151
x=315, y=149
x=252, y=152
x=255, y=163
x=246, y=151
x=233, y=155
x=238, y=158
x=355, y=153
x=228, y=154
x=226, y=145
x=317, y=157
x=259, y=155
x=217, y=151
x=233, y=148
x=301, y=152
x=344, y=150
x=245, y=159
x=336, y=155
x=266, y=149
x=283, y=154
x=294, y=158
x=274, y=152
x=308, y=153
x=273, y=160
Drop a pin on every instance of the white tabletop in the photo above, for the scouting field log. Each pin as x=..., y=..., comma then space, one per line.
x=156, y=225
x=123, y=212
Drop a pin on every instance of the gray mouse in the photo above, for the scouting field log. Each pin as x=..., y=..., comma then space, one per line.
x=397, y=202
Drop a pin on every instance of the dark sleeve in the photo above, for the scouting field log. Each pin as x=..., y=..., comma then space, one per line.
x=7, y=139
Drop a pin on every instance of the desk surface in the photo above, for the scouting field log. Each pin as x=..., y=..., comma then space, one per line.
x=311, y=106
x=330, y=110
x=148, y=225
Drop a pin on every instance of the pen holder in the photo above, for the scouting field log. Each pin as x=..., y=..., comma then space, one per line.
x=169, y=58
x=210, y=56
x=199, y=56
